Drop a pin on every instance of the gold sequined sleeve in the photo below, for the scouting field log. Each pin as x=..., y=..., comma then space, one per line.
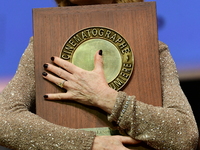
x=170, y=127
x=23, y=130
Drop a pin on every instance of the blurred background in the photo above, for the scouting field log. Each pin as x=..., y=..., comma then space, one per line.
x=178, y=27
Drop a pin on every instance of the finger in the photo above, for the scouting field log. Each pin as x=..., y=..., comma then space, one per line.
x=58, y=71
x=65, y=64
x=57, y=96
x=98, y=61
x=127, y=140
x=58, y=81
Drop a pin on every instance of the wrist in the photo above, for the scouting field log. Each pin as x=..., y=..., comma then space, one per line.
x=107, y=100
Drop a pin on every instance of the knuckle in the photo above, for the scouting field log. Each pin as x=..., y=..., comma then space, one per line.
x=65, y=65
x=59, y=96
x=59, y=73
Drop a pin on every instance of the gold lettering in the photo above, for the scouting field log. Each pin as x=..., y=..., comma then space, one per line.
x=67, y=47
x=72, y=43
x=107, y=35
x=88, y=32
x=126, y=70
x=118, y=82
x=84, y=36
x=112, y=85
x=124, y=75
x=113, y=37
x=127, y=65
x=119, y=40
x=67, y=50
x=126, y=50
x=77, y=38
x=123, y=45
x=101, y=32
x=94, y=32
x=65, y=57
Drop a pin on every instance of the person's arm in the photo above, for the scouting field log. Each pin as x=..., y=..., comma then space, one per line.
x=169, y=127
x=21, y=129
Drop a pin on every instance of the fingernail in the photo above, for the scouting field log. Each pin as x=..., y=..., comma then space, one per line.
x=45, y=65
x=100, y=52
x=52, y=58
x=44, y=74
x=45, y=96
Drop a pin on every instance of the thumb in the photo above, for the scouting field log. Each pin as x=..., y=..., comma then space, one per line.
x=98, y=61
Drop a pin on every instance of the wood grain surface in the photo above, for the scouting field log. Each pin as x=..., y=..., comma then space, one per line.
x=136, y=22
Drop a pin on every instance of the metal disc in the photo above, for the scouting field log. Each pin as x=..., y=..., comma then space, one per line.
x=117, y=54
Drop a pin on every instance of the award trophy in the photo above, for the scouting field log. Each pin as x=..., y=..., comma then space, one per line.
x=127, y=34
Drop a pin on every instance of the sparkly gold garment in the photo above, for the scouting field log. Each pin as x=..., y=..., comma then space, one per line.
x=170, y=127
x=23, y=130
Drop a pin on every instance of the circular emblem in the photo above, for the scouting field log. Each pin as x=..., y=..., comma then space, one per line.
x=118, y=60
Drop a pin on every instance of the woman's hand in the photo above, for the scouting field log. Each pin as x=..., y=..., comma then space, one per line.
x=86, y=87
x=112, y=142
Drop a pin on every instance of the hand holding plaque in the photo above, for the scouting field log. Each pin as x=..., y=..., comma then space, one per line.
x=81, y=85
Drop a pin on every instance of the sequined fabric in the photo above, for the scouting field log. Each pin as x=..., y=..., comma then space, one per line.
x=22, y=130
x=170, y=127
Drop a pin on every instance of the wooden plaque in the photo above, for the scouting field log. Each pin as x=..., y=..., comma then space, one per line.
x=136, y=22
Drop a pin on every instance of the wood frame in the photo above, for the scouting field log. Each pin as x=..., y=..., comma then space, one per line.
x=54, y=26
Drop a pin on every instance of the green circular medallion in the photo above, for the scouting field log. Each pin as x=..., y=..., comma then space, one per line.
x=117, y=55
